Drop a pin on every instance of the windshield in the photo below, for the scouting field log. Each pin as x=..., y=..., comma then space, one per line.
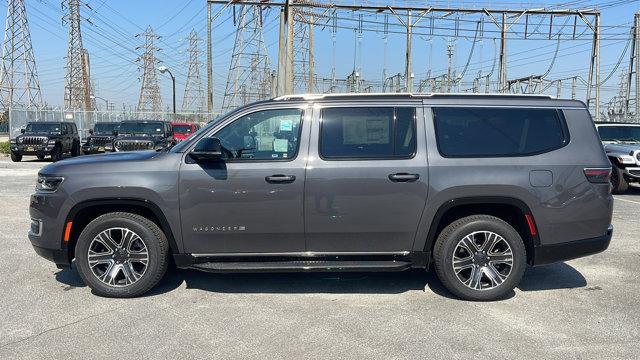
x=48, y=128
x=619, y=133
x=105, y=128
x=146, y=128
x=182, y=129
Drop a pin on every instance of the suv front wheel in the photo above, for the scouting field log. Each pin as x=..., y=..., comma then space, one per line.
x=121, y=255
x=618, y=183
x=480, y=257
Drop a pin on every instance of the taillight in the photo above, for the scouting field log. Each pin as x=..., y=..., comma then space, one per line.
x=598, y=175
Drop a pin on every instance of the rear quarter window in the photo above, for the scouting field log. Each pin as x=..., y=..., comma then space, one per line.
x=498, y=132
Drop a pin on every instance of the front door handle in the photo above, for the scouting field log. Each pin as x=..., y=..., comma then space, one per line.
x=404, y=177
x=280, y=179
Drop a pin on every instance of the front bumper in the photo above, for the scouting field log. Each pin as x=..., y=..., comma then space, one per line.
x=632, y=172
x=43, y=149
x=95, y=149
x=547, y=254
x=46, y=239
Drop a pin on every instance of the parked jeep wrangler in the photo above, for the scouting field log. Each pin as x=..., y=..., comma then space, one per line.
x=622, y=145
x=134, y=135
x=100, y=138
x=46, y=138
x=475, y=186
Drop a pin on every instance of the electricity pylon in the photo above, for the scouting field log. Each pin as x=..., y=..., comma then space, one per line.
x=149, y=99
x=193, y=99
x=249, y=77
x=77, y=88
x=19, y=85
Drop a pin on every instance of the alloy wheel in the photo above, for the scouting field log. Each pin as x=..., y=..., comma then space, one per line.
x=118, y=257
x=482, y=260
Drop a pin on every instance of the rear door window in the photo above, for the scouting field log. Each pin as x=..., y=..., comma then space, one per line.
x=367, y=133
x=476, y=132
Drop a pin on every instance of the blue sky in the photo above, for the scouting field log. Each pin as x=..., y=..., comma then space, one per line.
x=110, y=26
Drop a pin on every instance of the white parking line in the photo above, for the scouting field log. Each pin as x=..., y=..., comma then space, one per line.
x=631, y=201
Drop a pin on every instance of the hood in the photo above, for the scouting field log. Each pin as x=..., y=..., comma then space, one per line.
x=98, y=161
x=621, y=148
x=181, y=136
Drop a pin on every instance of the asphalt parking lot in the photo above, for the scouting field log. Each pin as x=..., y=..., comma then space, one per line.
x=585, y=308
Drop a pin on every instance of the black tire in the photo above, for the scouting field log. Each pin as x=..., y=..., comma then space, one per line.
x=619, y=184
x=56, y=153
x=16, y=157
x=154, y=239
x=40, y=157
x=75, y=149
x=447, y=243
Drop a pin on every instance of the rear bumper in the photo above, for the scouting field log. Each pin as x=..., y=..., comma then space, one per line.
x=547, y=254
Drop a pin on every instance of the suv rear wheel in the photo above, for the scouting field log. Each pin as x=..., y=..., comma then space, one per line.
x=121, y=255
x=480, y=257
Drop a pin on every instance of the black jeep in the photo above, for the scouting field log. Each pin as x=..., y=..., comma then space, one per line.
x=143, y=135
x=46, y=138
x=100, y=138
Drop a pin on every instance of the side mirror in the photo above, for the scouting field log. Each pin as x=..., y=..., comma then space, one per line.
x=115, y=132
x=91, y=131
x=23, y=130
x=207, y=149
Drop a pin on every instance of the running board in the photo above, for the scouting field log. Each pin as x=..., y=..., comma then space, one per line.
x=302, y=265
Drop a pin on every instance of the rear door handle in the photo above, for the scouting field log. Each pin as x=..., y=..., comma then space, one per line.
x=404, y=177
x=280, y=179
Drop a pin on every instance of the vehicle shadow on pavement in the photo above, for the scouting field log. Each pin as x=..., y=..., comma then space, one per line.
x=550, y=277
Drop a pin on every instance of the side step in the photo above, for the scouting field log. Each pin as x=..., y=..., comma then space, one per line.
x=302, y=265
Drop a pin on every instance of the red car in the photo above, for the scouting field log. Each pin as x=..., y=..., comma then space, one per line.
x=182, y=130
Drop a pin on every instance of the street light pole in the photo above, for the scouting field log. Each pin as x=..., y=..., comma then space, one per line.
x=106, y=102
x=162, y=70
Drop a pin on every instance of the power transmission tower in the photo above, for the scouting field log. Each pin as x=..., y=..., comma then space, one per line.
x=193, y=99
x=77, y=88
x=149, y=99
x=249, y=77
x=19, y=85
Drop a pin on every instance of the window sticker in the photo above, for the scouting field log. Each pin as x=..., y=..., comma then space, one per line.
x=365, y=130
x=286, y=125
x=280, y=145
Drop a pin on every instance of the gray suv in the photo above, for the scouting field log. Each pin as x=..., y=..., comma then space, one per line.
x=477, y=187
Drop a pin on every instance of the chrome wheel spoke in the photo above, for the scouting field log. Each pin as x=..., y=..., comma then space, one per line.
x=493, y=275
x=469, y=243
x=129, y=273
x=461, y=264
x=106, y=240
x=99, y=258
x=501, y=258
x=491, y=239
x=474, y=279
x=140, y=257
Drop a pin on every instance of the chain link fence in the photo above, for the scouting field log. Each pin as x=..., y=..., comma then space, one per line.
x=17, y=119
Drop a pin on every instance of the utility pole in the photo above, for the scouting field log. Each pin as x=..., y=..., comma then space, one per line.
x=449, y=69
x=209, y=61
x=77, y=89
x=502, y=69
x=408, y=72
x=310, y=87
x=150, y=99
x=193, y=99
x=19, y=85
x=289, y=49
x=282, y=54
x=634, y=65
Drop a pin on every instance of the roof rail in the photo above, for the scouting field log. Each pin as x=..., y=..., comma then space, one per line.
x=412, y=95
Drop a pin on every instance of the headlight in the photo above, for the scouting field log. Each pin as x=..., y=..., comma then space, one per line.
x=626, y=159
x=48, y=183
x=20, y=140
